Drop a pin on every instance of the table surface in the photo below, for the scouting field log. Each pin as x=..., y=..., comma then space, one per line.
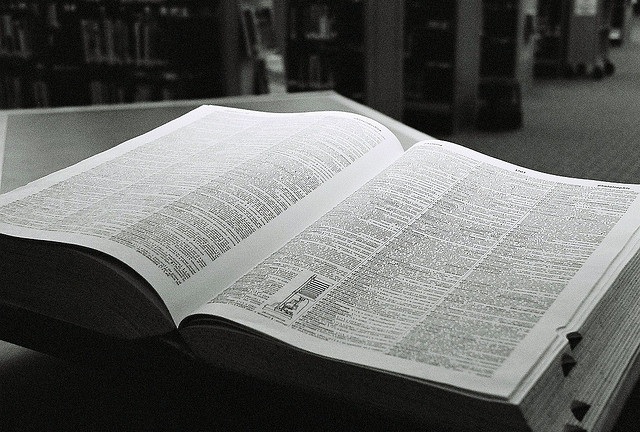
x=39, y=392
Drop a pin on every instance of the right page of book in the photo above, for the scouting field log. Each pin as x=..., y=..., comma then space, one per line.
x=450, y=267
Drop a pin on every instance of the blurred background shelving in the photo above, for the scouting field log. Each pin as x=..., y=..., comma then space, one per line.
x=78, y=52
x=440, y=66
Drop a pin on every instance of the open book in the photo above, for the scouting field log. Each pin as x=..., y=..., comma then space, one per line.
x=311, y=250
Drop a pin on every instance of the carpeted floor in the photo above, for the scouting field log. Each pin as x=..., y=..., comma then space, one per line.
x=577, y=127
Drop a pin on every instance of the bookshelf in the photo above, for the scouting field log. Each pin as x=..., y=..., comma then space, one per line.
x=441, y=64
x=80, y=52
x=409, y=59
x=506, y=61
x=350, y=46
x=499, y=41
x=420, y=61
x=326, y=47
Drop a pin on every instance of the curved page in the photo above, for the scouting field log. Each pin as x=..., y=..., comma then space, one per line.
x=194, y=204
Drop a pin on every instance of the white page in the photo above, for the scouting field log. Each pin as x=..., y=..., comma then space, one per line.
x=450, y=266
x=194, y=204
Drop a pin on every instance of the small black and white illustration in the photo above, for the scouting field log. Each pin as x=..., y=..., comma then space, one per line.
x=295, y=297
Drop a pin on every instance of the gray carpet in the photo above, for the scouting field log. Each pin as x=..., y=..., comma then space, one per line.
x=577, y=127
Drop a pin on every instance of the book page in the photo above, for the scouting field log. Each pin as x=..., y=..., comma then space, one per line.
x=450, y=267
x=194, y=204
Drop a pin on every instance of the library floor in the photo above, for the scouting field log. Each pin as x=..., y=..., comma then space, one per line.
x=577, y=125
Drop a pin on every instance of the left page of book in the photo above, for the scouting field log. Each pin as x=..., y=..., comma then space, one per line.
x=197, y=202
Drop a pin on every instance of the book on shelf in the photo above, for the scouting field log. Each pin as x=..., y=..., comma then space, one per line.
x=310, y=250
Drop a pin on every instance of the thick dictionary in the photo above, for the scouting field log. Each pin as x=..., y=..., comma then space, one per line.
x=311, y=250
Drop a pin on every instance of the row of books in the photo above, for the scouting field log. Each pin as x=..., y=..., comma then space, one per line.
x=15, y=36
x=123, y=35
x=117, y=41
x=499, y=41
x=16, y=91
x=429, y=53
x=311, y=21
x=419, y=11
x=313, y=72
x=108, y=91
x=96, y=38
x=325, y=46
x=62, y=88
x=431, y=41
x=429, y=82
x=500, y=18
x=322, y=20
